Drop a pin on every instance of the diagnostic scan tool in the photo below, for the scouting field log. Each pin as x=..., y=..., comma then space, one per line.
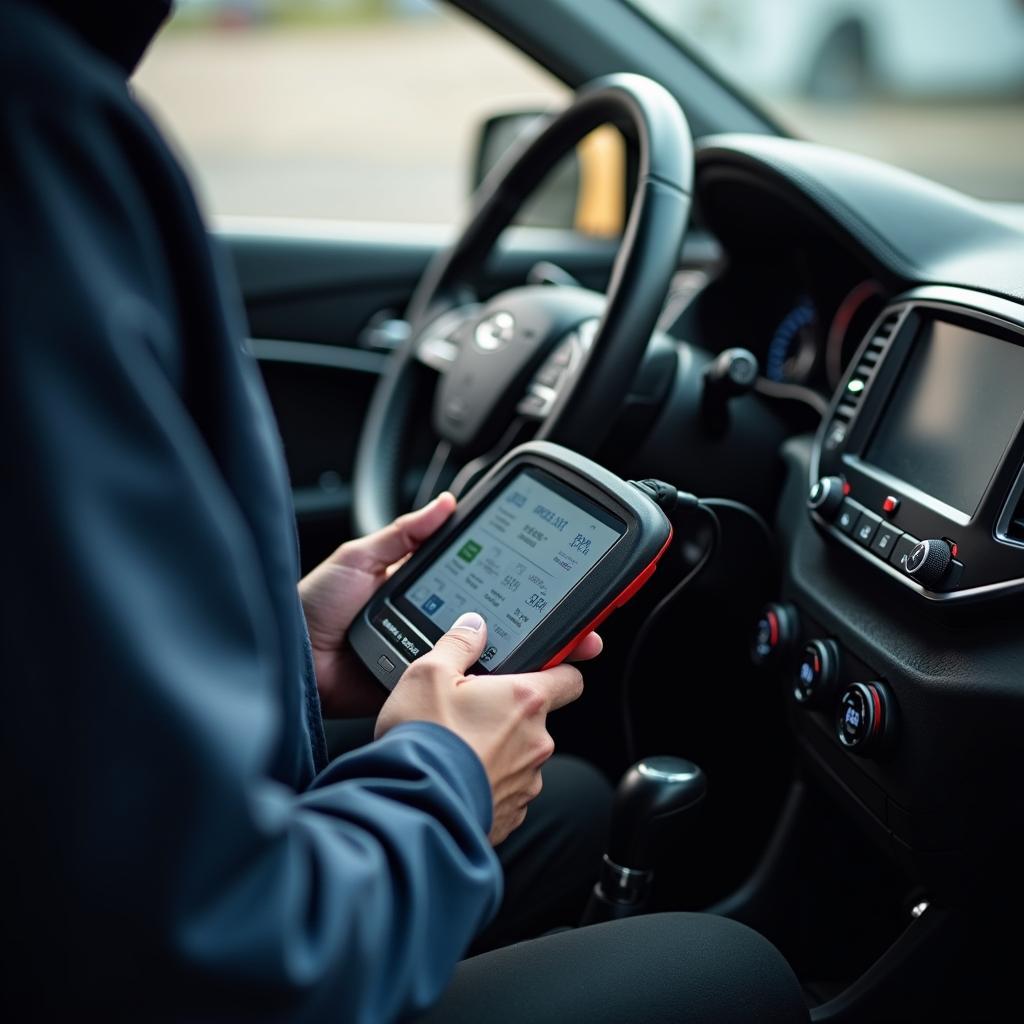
x=545, y=546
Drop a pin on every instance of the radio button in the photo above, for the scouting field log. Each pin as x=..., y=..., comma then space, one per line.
x=826, y=496
x=847, y=517
x=903, y=546
x=864, y=531
x=885, y=540
x=929, y=562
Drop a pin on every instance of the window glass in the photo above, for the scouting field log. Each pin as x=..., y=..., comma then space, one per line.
x=351, y=109
x=936, y=86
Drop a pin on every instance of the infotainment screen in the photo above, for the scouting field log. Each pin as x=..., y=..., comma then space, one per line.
x=952, y=414
x=514, y=561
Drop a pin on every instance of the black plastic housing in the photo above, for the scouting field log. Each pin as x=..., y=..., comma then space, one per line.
x=618, y=574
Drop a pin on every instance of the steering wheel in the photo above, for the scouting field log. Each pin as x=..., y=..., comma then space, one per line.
x=552, y=361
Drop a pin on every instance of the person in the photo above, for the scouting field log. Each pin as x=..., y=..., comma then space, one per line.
x=178, y=843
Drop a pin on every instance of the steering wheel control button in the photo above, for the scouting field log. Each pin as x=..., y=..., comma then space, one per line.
x=562, y=356
x=929, y=562
x=775, y=635
x=386, y=663
x=867, y=526
x=826, y=497
x=885, y=540
x=849, y=513
x=865, y=718
x=891, y=504
x=817, y=673
x=549, y=375
x=537, y=403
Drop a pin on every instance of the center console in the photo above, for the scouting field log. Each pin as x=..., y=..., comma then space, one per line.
x=919, y=465
x=906, y=706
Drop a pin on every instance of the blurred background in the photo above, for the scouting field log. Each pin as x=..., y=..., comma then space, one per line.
x=370, y=110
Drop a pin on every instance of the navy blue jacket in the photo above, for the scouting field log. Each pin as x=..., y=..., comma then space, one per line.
x=174, y=841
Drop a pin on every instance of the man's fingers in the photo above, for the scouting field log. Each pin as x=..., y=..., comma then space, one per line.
x=462, y=645
x=376, y=551
x=559, y=686
x=589, y=647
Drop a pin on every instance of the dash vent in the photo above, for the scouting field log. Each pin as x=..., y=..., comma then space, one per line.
x=866, y=368
x=1015, y=520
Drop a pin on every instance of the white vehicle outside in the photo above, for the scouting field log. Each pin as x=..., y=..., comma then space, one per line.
x=842, y=48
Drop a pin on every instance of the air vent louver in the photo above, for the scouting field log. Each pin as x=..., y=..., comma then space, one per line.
x=1015, y=523
x=866, y=367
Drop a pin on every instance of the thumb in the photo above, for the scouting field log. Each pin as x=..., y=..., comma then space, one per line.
x=462, y=644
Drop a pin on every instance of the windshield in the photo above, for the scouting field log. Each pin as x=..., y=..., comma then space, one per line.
x=935, y=86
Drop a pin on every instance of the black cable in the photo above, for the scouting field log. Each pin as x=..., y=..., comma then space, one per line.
x=670, y=500
x=751, y=513
x=641, y=636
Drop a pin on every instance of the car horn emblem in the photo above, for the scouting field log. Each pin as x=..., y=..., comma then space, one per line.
x=495, y=331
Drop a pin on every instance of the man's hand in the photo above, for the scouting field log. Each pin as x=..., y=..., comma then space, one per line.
x=334, y=592
x=503, y=718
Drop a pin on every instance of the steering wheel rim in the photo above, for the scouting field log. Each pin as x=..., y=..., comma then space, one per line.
x=644, y=264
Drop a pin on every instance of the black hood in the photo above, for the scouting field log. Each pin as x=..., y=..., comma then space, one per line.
x=119, y=29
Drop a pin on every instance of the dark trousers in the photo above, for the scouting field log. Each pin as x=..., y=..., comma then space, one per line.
x=655, y=969
x=645, y=970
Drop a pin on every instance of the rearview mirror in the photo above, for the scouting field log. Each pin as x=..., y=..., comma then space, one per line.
x=586, y=192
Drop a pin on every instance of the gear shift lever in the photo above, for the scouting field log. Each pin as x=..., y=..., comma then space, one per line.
x=655, y=795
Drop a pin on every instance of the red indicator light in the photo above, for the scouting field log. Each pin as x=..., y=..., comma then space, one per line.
x=890, y=505
x=954, y=548
x=846, y=487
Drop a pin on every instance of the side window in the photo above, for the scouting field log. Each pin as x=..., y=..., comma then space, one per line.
x=360, y=110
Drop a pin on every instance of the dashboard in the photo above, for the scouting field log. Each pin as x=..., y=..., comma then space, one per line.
x=897, y=308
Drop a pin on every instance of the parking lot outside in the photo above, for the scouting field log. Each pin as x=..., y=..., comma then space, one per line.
x=375, y=118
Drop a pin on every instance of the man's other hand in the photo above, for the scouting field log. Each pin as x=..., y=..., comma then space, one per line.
x=334, y=592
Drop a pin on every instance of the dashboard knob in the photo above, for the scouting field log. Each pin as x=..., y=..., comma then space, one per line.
x=817, y=673
x=776, y=633
x=929, y=562
x=826, y=495
x=865, y=718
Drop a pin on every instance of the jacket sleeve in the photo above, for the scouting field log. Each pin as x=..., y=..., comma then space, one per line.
x=156, y=855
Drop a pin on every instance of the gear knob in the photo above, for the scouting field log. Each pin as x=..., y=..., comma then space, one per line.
x=656, y=794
